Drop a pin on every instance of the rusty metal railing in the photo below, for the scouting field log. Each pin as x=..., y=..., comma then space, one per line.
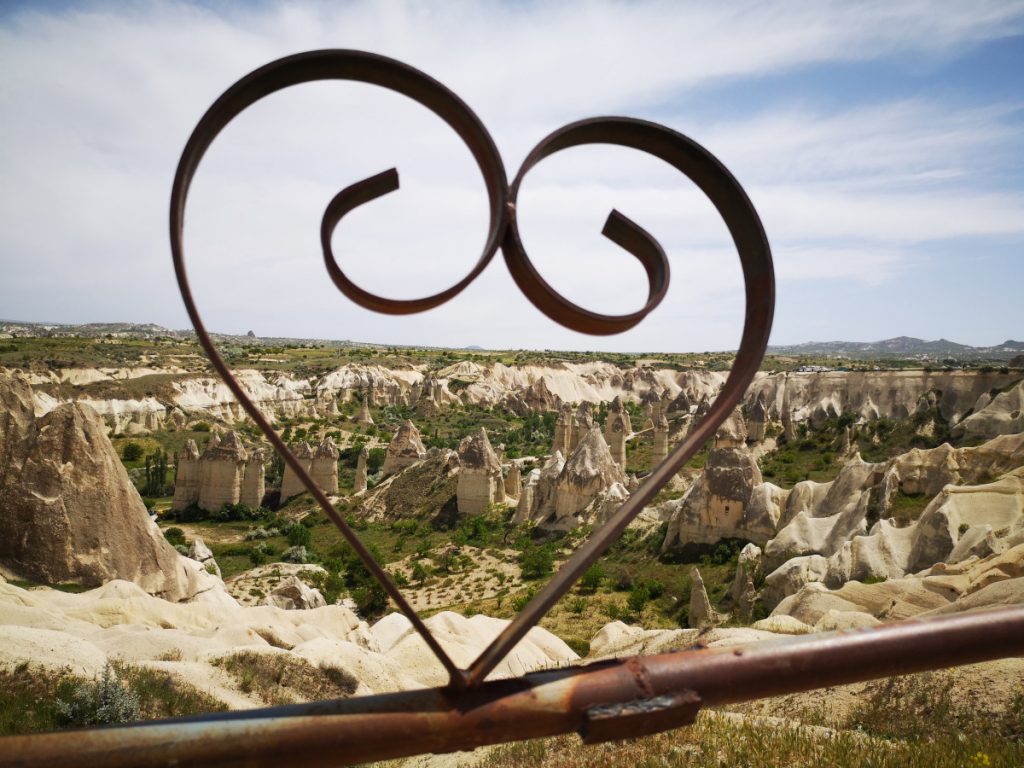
x=606, y=700
x=603, y=701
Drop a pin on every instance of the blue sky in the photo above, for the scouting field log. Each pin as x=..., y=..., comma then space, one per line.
x=881, y=143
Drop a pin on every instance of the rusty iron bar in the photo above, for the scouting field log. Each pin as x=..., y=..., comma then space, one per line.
x=620, y=698
x=688, y=157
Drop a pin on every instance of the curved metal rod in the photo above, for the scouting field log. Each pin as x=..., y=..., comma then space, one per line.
x=679, y=151
x=751, y=242
x=376, y=70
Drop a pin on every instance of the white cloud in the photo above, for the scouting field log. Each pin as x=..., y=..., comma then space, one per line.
x=99, y=102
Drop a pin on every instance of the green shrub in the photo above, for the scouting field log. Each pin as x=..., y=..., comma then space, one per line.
x=175, y=536
x=298, y=535
x=131, y=451
x=536, y=562
x=638, y=598
x=100, y=702
x=591, y=579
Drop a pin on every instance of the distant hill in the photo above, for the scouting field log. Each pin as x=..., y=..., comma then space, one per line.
x=902, y=347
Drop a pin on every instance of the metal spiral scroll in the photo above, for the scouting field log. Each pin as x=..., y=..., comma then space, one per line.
x=679, y=151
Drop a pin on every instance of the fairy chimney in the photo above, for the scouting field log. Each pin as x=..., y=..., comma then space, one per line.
x=360, y=481
x=363, y=415
x=660, y=450
x=480, y=479
x=514, y=481
x=563, y=430
x=405, y=448
x=186, y=479
x=589, y=471
x=290, y=483
x=617, y=428
x=253, y=481
x=582, y=423
x=757, y=421
x=324, y=467
x=220, y=472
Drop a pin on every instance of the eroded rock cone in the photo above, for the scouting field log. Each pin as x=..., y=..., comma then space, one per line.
x=324, y=467
x=588, y=472
x=360, y=481
x=617, y=428
x=291, y=485
x=405, y=448
x=702, y=615
x=69, y=512
x=480, y=478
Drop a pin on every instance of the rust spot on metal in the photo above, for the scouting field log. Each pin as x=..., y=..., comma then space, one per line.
x=640, y=717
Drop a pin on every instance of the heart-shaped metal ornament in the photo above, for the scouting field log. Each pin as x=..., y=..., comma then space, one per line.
x=679, y=151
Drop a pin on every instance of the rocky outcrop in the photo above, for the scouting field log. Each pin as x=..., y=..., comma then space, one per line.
x=514, y=482
x=581, y=486
x=221, y=468
x=757, y=421
x=617, y=428
x=254, y=480
x=997, y=579
x=999, y=415
x=292, y=594
x=291, y=485
x=481, y=484
x=406, y=448
x=582, y=423
x=660, y=449
x=828, y=541
x=359, y=486
x=70, y=512
x=701, y=614
x=186, y=478
x=535, y=398
x=363, y=416
x=324, y=467
x=722, y=502
x=563, y=430
x=203, y=555
x=874, y=394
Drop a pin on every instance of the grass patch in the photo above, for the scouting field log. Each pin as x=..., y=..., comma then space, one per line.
x=284, y=679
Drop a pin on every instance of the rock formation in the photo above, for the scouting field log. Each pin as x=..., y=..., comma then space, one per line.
x=582, y=423
x=586, y=477
x=221, y=468
x=722, y=503
x=527, y=497
x=293, y=595
x=186, y=478
x=563, y=430
x=758, y=421
x=1001, y=415
x=70, y=512
x=701, y=614
x=202, y=554
x=254, y=480
x=660, y=450
x=291, y=485
x=535, y=398
x=405, y=448
x=514, y=481
x=827, y=536
x=363, y=416
x=324, y=467
x=617, y=428
x=359, y=485
x=480, y=478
